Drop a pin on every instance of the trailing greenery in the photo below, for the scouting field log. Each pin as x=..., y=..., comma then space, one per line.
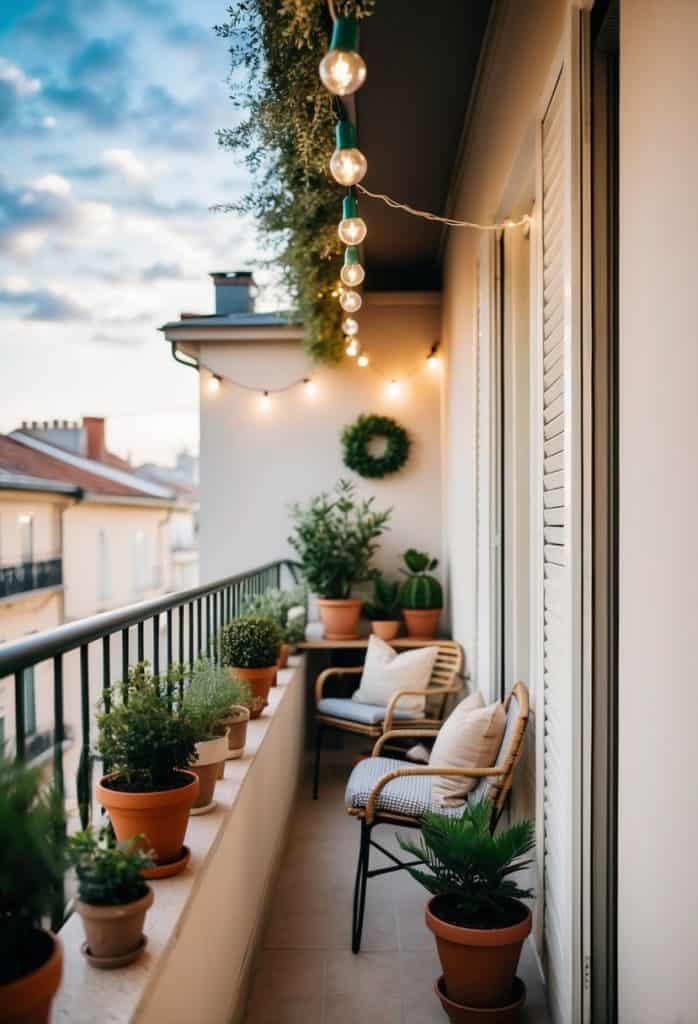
x=469, y=867
x=335, y=538
x=420, y=590
x=285, y=135
x=385, y=606
x=141, y=737
x=250, y=643
x=32, y=860
x=209, y=697
x=284, y=607
x=109, y=872
x=357, y=437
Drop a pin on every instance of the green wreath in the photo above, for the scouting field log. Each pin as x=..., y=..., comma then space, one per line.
x=357, y=437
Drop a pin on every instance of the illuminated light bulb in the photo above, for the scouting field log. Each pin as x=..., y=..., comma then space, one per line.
x=343, y=69
x=265, y=402
x=310, y=387
x=352, y=273
x=214, y=383
x=352, y=229
x=350, y=301
x=347, y=164
x=362, y=360
x=394, y=389
x=352, y=348
x=350, y=326
x=433, y=361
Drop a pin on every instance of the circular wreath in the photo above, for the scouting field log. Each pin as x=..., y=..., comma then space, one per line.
x=357, y=437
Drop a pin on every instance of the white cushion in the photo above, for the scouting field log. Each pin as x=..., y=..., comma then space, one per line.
x=469, y=738
x=386, y=671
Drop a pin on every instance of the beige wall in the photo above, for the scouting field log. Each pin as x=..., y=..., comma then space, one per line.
x=658, y=501
x=45, y=513
x=254, y=464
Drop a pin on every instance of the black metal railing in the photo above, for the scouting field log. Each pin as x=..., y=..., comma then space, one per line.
x=18, y=579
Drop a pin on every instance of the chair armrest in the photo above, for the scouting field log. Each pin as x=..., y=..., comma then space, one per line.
x=401, y=734
x=428, y=691
x=467, y=773
x=324, y=676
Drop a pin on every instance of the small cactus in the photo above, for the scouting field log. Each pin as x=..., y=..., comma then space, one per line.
x=420, y=590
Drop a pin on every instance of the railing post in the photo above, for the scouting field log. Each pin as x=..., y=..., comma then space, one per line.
x=20, y=716
x=84, y=766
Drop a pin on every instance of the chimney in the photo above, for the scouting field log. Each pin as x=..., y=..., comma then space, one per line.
x=94, y=437
x=233, y=291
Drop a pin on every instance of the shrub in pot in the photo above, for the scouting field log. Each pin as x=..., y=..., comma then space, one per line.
x=32, y=860
x=150, y=748
x=475, y=912
x=207, y=703
x=335, y=538
x=384, y=610
x=284, y=607
x=421, y=595
x=113, y=898
x=250, y=649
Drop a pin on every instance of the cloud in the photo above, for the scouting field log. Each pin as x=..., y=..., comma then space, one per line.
x=29, y=212
x=125, y=162
x=118, y=340
x=17, y=80
x=162, y=272
x=16, y=92
x=99, y=59
x=40, y=303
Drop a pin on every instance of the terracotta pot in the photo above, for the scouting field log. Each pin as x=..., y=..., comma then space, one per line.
x=385, y=629
x=220, y=770
x=28, y=999
x=237, y=731
x=114, y=931
x=162, y=817
x=422, y=623
x=209, y=755
x=341, y=618
x=479, y=964
x=259, y=681
x=508, y=1014
x=283, y=655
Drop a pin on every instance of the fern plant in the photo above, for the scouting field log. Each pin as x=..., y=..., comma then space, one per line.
x=471, y=869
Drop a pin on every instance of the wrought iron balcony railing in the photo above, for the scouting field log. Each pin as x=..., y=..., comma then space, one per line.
x=19, y=579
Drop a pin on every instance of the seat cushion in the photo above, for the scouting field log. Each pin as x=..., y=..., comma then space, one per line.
x=353, y=711
x=410, y=795
x=469, y=738
x=386, y=671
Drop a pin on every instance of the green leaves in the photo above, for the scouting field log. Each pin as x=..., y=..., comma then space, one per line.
x=109, y=872
x=209, y=697
x=250, y=643
x=385, y=606
x=276, y=605
x=356, y=439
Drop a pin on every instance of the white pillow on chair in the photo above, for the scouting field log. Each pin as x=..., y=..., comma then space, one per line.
x=469, y=738
x=386, y=671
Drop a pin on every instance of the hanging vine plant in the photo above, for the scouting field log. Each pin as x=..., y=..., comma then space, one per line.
x=356, y=441
x=285, y=137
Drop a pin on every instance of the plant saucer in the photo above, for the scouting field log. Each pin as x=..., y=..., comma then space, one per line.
x=205, y=809
x=110, y=963
x=170, y=867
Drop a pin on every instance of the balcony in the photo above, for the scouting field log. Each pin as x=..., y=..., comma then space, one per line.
x=28, y=576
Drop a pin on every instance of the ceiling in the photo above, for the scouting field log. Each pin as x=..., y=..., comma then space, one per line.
x=421, y=59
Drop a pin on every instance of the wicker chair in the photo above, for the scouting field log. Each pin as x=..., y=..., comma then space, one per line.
x=383, y=790
x=347, y=715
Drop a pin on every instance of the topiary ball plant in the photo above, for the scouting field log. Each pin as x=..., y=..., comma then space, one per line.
x=420, y=591
x=250, y=643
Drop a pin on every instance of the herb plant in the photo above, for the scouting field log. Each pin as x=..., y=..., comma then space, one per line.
x=109, y=872
x=209, y=698
x=470, y=869
x=385, y=606
x=250, y=643
x=285, y=607
x=335, y=538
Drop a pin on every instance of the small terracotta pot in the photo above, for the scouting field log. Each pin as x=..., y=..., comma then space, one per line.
x=237, y=731
x=479, y=964
x=341, y=617
x=259, y=681
x=28, y=999
x=385, y=629
x=162, y=817
x=114, y=931
x=209, y=755
x=283, y=655
x=509, y=1014
x=422, y=623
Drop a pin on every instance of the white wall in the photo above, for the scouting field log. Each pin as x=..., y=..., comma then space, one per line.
x=254, y=464
x=658, y=501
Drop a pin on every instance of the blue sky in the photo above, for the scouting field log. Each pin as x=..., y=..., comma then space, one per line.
x=108, y=112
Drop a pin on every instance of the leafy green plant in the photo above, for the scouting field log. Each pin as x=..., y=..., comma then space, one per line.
x=209, y=697
x=420, y=590
x=32, y=860
x=469, y=868
x=250, y=643
x=141, y=738
x=284, y=607
x=385, y=606
x=335, y=538
x=109, y=872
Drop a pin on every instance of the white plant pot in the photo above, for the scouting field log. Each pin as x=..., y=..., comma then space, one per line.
x=212, y=751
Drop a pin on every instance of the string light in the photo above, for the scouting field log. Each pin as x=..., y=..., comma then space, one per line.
x=214, y=383
x=350, y=301
x=310, y=387
x=394, y=389
x=343, y=69
x=347, y=164
x=265, y=401
x=352, y=348
x=449, y=221
x=352, y=273
x=362, y=361
x=433, y=361
x=350, y=326
x=352, y=229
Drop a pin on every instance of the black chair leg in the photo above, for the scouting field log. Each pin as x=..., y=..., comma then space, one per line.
x=357, y=921
x=318, y=751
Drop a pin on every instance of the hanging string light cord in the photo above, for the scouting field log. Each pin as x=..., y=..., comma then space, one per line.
x=251, y=387
x=450, y=221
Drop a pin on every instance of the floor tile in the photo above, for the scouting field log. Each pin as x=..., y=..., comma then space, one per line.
x=288, y=988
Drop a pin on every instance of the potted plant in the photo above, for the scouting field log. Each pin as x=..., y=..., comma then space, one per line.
x=150, y=748
x=335, y=538
x=207, y=703
x=287, y=609
x=384, y=610
x=113, y=897
x=250, y=650
x=475, y=911
x=31, y=871
x=421, y=596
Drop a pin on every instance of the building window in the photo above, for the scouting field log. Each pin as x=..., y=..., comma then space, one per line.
x=29, y=701
x=103, y=568
x=26, y=538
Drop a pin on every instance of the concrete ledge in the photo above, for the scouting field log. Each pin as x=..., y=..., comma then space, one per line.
x=203, y=926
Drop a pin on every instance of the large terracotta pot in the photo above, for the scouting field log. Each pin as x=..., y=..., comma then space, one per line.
x=162, y=817
x=237, y=731
x=385, y=629
x=341, y=617
x=28, y=999
x=114, y=931
x=507, y=1014
x=479, y=964
x=259, y=680
x=209, y=755
x=422, y=623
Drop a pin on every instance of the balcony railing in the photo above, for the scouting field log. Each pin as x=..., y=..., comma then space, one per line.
x=19, y=579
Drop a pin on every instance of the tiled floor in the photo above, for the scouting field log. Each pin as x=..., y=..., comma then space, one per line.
x=306, y=972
